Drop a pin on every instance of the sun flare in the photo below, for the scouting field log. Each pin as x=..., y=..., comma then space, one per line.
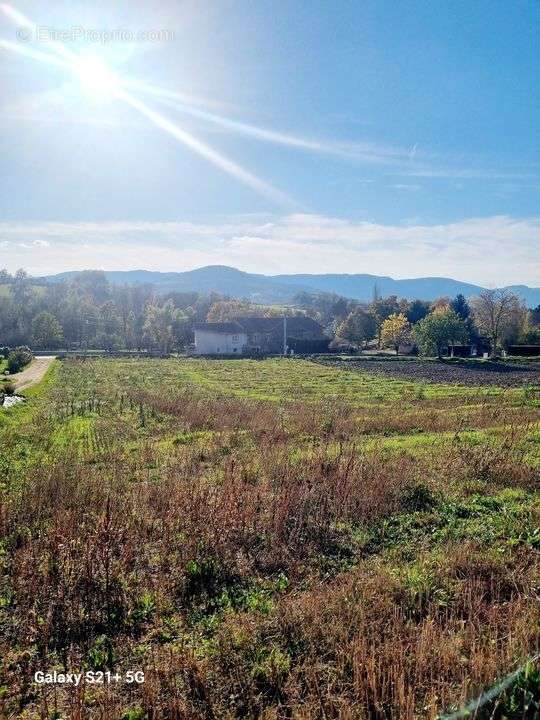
x=100, y=83
x=95, y=76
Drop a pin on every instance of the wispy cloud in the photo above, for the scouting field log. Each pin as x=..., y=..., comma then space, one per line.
x=496, y=250
x=406, y=186
x=465, y=173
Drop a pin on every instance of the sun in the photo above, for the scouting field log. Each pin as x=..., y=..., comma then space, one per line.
x=96, y=78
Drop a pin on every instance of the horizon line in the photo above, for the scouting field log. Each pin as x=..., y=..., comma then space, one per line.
x=294, y=274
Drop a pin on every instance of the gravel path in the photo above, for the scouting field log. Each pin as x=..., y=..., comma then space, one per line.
x=474, y=374
x=31, y=374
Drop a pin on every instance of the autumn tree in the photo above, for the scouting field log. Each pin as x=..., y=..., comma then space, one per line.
x=381, y=309
x=395, y=331
x=441, y=303
x=499, y=314
x=226, y=310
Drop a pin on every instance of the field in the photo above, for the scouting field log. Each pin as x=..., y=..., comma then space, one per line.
x=516, y=372
x=269, y=539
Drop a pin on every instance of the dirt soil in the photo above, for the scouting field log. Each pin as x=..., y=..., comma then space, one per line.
x=461, y=373
x=31, y=374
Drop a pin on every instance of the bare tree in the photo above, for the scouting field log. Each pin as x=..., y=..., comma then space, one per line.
x=497, y=313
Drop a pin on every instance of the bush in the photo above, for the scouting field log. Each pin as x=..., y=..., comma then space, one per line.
x=19, y=358
x=8, y=388
x=418, y=497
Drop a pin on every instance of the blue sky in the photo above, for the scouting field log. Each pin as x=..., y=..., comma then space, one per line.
x=382, y=137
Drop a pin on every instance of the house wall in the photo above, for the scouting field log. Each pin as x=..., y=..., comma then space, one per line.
x=273, y=342
x=266, y=342
x=208, y=342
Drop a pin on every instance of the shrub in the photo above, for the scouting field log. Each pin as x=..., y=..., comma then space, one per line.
x=8, y=388
x=418, y=497
x=19, y=358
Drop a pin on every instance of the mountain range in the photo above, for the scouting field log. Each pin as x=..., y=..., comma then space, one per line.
x=282, y=288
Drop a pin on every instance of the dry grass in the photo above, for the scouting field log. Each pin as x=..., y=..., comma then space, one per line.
x=267, y=564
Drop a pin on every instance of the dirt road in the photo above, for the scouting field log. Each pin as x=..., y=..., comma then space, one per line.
x=31, y=374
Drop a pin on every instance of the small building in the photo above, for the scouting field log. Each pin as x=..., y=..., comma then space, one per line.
x=407, y=349
x=461, y=350
x=220, y=338
x=260, y=336
x=524, y=350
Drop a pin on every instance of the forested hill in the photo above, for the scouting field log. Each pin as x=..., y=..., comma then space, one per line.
x=266, y=288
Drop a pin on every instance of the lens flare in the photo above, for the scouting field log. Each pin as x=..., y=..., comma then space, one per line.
x=100, y=81
x=95, y=77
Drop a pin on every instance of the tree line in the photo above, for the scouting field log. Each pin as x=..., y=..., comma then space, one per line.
x=493, y=320
x=87, y=312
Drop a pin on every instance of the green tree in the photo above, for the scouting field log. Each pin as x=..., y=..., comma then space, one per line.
x=161, y=325
x=92, y=284
x=358, y=327
x=440, y=328
x=418, y=309
x=395, y=331
x=46, y=331
x=460, y=306
x=531, y=336
x=21, y=288
x=109, y=327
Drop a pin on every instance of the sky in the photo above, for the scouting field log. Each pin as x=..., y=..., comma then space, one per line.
x=361, y=136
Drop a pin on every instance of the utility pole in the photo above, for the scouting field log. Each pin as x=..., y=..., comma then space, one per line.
x=284, y=335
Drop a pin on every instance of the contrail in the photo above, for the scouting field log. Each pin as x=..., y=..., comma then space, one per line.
x=178, y=102
x=205, y=150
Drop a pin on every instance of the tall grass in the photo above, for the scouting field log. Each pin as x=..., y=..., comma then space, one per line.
x=257, y=561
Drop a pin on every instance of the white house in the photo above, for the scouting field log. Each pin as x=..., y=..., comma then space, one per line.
x=260, y=336
x=224, y=338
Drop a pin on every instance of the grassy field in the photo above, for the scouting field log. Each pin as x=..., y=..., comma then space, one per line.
x=267, y=539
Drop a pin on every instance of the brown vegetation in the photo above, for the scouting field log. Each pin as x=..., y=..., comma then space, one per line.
x=265, y=563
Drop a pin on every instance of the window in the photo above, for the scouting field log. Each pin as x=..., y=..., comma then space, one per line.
x=235, y=338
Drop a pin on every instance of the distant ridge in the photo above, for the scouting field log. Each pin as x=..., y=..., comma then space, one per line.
x=279, y=288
